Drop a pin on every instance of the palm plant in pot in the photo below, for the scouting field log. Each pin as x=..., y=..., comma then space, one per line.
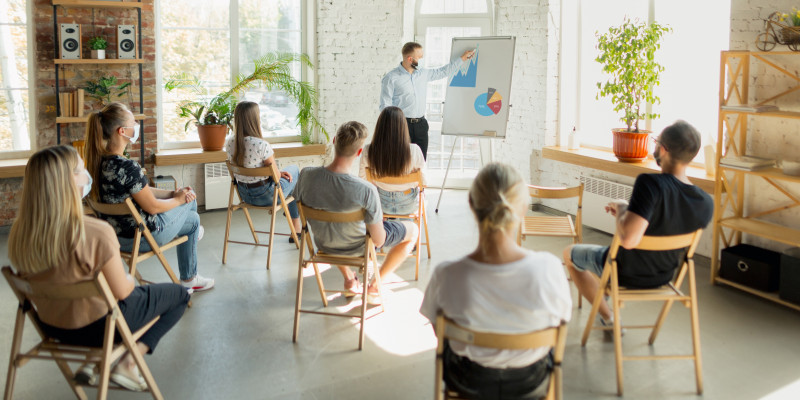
x=627, y=53
x=213, y=114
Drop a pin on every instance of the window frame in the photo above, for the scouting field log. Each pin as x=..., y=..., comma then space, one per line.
x=32, y=104
x=307, y=44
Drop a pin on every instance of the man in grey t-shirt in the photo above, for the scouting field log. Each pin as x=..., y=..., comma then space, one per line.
x=332, y=188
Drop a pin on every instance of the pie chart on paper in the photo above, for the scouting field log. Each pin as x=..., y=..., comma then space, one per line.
x=489, y=103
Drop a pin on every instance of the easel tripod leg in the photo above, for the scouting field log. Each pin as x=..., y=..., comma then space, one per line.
x=446, y=171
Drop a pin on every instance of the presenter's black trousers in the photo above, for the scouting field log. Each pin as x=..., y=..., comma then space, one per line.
x=418, y=130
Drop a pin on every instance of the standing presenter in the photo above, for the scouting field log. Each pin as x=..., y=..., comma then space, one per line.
x=406, y=87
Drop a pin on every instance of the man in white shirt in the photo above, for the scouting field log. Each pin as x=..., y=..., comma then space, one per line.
x=406, y=87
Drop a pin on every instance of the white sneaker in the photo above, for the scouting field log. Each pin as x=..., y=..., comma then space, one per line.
x=608, y=334
x=200, y=232
x=198, y=283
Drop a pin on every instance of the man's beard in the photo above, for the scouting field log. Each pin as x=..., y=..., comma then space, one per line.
x=414, y=64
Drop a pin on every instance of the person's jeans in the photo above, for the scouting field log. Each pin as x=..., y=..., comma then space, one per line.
x=262, y=195
x=181, y=220
x=399, y=202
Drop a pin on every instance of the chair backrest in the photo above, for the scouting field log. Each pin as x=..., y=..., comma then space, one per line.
x=267, y=170
x=413, y=177
x=543, y=192
x=307, y=213
x=661, y=243
x=27, y=290
x=125, y=208
x=80, y=146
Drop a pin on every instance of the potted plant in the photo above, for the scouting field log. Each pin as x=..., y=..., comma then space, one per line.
x=98, y=46
x=627, y=53
x=213, y=114
x=105, y=89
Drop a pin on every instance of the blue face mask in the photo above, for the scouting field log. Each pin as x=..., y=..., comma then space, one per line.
x=88, y=186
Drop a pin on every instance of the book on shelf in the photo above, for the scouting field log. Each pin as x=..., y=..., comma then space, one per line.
x=751, y=108
x=750, y=163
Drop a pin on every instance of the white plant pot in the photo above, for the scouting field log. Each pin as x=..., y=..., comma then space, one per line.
x=99, y=54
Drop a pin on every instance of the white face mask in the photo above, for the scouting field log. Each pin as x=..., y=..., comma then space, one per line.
x=88, y=186
x=135, y=136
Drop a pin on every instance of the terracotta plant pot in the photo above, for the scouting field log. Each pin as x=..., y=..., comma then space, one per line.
x=630, y=146
x=212, y=137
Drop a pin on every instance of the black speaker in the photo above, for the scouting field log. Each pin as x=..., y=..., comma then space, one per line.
x=70, y=41
x=126, y=41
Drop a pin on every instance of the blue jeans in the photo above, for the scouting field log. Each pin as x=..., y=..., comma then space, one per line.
x=262, y=195
x=181, y=220
x=399, y=203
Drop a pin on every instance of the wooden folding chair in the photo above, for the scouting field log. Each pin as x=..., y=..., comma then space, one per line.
x=555, y=337
x=80, y=146
x=553, y=225
x=318, y=257
x=668, y=293
x=420, y=218
x=272, y=172
x=133, y=257
x=28, y=292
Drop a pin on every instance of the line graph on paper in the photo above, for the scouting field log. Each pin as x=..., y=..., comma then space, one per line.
x=467, y=74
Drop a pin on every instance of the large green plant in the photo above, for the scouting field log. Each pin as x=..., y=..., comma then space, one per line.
x=627, y=53
x=272, y=71
x=105, y=89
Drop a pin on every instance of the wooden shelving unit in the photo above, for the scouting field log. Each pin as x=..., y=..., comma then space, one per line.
x=61, y=64
x=730, y=219
x=78, y=120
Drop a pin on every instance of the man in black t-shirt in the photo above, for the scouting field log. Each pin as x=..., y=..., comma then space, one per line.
x=660, y=205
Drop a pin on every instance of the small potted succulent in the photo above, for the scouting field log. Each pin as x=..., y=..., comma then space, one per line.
x=98, y=46
x=627, y=54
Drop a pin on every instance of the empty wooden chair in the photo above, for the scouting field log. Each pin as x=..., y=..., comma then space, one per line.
x=272, y=172
x=80, y=146
x=63, y=353
x=315, y=257
x=135, y=256
x=668, y=293
x=555, y=337
x=555, y=226
x=420, y=218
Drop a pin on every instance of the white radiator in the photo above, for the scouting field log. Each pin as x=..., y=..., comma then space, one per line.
x=597, y=193
x=218, y=183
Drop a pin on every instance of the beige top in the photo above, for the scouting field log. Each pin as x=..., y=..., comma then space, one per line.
x=417, y=163
x=100, y=251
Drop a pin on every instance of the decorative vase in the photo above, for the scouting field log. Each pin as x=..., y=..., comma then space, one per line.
x=212, y=137
x=630, y=146
x=99, y=54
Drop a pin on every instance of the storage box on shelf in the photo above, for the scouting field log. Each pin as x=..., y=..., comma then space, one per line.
x=61, y=64
x=730, y=217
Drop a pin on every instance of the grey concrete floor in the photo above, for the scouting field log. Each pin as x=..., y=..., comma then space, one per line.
x=236, y=342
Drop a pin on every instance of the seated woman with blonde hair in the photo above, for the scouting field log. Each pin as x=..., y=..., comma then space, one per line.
x=52, y=241
x=392, y=154
x=168, y=214
x=500, y=288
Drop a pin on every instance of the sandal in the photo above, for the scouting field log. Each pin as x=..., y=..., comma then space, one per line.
x=137, y=384
x=352, y=288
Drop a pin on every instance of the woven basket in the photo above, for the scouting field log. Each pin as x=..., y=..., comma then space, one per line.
x=790, y=35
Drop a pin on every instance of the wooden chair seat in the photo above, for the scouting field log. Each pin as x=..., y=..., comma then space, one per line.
x=668, y=293
x=272, y=172
x=548, y=226
x=555, y=337
x=315, y=257
x=420, y=218
x=50, y=349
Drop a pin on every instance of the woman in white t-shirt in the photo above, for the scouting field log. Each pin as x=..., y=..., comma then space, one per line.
x=391, y=153
x=246, y=148
x=499, y=288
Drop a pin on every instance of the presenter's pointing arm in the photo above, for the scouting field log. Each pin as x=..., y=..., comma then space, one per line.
x=387, y=90
x=449, y=69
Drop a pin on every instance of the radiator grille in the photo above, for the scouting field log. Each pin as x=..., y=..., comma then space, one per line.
x=597, y=193
x=218, y=183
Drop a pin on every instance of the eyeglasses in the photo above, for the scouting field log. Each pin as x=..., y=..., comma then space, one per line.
x=658, y=142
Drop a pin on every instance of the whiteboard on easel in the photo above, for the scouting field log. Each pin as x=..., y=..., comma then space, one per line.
x=476, y=101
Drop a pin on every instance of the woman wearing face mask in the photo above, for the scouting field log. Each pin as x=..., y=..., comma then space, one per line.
x=167, y=213
x=52, y=241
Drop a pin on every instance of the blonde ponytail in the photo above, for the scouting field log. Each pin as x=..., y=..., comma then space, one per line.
x=496, y=197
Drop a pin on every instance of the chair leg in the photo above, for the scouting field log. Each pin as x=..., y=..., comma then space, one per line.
x=227, y=235
x=143, y=368
x=364, y=288
x=617, y=334
x=590, y=322
x=16, y=344
x=69, y=375
x=698, y=359
x=271, y=239
x=427, y=236
x=419, y=248
x=320, y=285
x=299, y=292
x=105, y=361
x=250, y=224
x=661, y=317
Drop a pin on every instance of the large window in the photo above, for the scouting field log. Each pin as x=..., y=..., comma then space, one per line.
x=15, y=129
x=437, y=23
x=216, y=40
x=689, y=86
